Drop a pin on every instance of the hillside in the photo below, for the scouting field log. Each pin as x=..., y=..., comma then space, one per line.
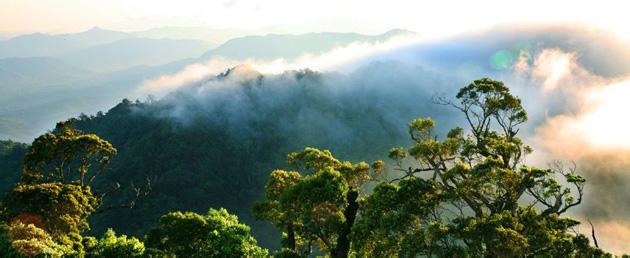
x=11, y=154
x=211, y=150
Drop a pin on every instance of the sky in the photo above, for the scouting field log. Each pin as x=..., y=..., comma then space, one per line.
x=430, y=18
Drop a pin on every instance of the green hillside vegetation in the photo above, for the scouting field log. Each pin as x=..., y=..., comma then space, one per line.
x=460, y=195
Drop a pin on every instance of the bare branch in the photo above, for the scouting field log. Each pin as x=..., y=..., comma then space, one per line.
x=593, y=233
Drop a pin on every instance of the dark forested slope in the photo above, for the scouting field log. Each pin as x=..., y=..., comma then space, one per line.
x=214, y=144
x=10, y=163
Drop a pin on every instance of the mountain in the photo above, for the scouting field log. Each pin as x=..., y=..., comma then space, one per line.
x=215, y=149
x=26, y=113
x=130, y=52
x=39, y=44
x=214, y=143
x=31, y=84
x=214, y=37
x=273, y=46
x=39, y=91
x=22, y=76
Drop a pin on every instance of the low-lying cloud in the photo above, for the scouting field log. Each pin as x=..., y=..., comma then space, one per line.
x=335, y=60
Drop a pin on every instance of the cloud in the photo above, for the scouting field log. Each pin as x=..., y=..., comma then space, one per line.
x=555, y=66
x=590, y=128
x=334, y=60
x=593, y=121
x=599, y=125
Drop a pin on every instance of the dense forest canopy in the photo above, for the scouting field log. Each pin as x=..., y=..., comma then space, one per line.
x=215, y=149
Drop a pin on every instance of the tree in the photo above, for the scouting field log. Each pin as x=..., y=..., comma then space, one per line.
x=59, y=209
x=66, y=155
x=21, y=240
x=216, y=234
x=54, y=193
x=319, y=207
x=470, y=194
x=110, y=245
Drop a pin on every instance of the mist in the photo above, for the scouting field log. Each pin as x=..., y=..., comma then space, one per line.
x=358, y=99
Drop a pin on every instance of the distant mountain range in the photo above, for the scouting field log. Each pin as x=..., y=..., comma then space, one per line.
x=39, y=44
x=214, y=37
x=22, y=75
x=274, y=46
x=46, y=78
x=102, y=51
x=130, y=52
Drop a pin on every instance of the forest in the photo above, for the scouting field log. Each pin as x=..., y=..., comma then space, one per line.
x=114, y=184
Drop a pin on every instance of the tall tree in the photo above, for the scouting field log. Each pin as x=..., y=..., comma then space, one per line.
x=66, y=155
x=319, y=205
x=54, y=193
x=470, y=194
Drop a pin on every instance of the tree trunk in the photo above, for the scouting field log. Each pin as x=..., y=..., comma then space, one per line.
x=343, y=241
x=290, y=236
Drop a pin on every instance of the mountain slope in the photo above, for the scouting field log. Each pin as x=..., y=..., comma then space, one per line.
x=11, y=154
x=35, y=74
x=274, y=46
x=26, y=113
x=39, y=44
x=215, y=149
x=127, y=53
x=213, y=37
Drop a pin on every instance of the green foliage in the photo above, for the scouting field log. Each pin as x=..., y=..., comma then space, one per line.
x=60, y=209
x=110, y=245
x=216, y=234
x=22, y=240
x=464, y=197
x=389, y=222
x=66, y=155
x=286, y=253
x=319, y=208
x=53, y=200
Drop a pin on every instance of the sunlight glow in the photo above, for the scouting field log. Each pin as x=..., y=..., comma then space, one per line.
x=607, y=124
x=430, y=18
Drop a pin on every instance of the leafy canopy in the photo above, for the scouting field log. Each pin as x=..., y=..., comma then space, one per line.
x=110, y=245
x=469, y=194
x=66, y=155
x=216, y=234
x=317, y=206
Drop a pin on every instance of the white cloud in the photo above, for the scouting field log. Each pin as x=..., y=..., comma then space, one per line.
x=334, y=60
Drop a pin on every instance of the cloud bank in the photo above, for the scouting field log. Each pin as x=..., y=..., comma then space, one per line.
x=338, y=59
